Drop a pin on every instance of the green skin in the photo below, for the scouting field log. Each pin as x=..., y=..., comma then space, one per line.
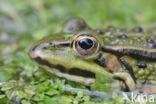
x=120, y=57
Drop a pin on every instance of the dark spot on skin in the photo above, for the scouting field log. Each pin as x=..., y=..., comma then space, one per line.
x=101, y=61
x=79, y=72
x=50, y=43
x=150, y=43
x=99, y=32
x=46, y=63
x=123, y=36
x=137, y=29
x=142, y=65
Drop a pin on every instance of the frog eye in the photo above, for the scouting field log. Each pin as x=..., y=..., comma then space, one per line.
x=85, y=45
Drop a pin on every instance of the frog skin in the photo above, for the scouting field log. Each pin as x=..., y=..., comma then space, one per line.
x=78, y=53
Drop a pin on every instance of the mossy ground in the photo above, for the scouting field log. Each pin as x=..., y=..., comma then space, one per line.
x=24, y=21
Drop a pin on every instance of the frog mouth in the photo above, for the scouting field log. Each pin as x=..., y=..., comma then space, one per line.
x=60, y=68
x=73, y=73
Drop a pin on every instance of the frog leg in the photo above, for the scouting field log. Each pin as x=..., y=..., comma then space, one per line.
x=128, y=68
x=116, y=65
x=128, y=77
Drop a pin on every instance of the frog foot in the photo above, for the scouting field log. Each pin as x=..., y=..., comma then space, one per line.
x=127, y=79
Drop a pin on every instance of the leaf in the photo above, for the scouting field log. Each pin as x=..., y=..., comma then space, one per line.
x=25, y=102
x=52, y=92
x=2, y=96
x=103, y=79
x=7, y=86
x=80, y=94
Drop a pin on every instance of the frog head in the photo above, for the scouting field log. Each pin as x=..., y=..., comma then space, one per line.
x=75, y=52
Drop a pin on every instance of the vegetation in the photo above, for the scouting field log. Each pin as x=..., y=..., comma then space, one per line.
x=23, y=22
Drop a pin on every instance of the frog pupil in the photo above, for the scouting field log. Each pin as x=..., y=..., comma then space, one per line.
x=85, y=43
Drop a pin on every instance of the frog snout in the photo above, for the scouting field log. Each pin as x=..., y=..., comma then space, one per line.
x=32, y=53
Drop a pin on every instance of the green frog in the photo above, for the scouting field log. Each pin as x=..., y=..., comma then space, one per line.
x=78, y=53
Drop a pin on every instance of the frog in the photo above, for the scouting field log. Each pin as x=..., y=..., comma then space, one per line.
x=79, y=52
